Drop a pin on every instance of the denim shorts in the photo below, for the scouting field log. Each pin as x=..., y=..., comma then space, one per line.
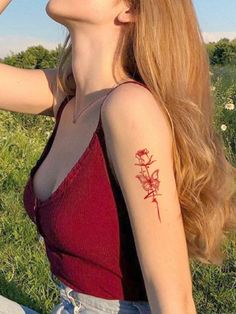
x=73, y=302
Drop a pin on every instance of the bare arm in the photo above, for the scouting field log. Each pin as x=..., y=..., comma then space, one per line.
x=3, y=5
x=28, y=90
x=139, y=143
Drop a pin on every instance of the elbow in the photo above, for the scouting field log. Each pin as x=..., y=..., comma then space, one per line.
x=175, y=300
x=180, y=308
x=184, y=306
x=170, y=305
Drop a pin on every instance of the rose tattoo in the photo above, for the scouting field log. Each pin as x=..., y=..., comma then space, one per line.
x=149, y=181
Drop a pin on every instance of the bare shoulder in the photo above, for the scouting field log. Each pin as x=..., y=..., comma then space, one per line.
x=130, y=92
x=133, y=107
x=130, y=114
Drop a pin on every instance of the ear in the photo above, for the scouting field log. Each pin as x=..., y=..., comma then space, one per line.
x=127, y=16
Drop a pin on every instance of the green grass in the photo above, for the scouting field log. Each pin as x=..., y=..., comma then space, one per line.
x=24, y=268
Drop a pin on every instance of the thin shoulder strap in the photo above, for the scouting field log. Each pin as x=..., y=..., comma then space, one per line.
x=136, y=82
x=68, y=97
x=62, y=106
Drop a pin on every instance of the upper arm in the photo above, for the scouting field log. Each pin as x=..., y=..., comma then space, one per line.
x=139, y=142
x=28, y=90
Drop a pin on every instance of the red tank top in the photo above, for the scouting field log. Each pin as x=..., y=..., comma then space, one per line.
x=85, y=225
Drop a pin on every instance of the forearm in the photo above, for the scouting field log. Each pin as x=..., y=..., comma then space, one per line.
x=170, y=304
x=185, y=307
x=3, y=5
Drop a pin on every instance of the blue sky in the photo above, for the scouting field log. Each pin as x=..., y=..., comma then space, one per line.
x=26, y=23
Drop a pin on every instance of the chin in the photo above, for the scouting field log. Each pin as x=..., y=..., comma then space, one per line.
x=57, y=10
x=69, y=12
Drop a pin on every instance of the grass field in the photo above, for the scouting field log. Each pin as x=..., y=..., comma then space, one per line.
x=24, y=269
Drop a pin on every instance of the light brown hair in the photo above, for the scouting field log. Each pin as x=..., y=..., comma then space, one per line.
x=165, y=50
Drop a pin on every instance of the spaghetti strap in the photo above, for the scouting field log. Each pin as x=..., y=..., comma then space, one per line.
x=62, y=106
x=136, y=82
x=100, y=109
x=68, y=97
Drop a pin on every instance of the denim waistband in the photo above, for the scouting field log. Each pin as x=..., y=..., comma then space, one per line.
x=82, y=301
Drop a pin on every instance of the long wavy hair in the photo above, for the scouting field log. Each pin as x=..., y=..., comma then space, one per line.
x=164, y=49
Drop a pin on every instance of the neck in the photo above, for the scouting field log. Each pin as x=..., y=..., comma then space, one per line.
x=92, y=65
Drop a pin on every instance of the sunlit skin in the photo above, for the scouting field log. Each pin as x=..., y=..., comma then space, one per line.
x=4, y=4
x=129, y=117
x=95, y=27
x=150, y=182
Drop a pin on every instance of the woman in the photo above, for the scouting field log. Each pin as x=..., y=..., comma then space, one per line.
x=124, y=192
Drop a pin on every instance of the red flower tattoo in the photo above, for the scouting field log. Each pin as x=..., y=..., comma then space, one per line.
x=149, y=181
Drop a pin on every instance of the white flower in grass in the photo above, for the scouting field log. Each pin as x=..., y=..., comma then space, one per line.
x=213, y=88
x=40, y=238
x=229, y=106
x=47, y=134
x=223, y=127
